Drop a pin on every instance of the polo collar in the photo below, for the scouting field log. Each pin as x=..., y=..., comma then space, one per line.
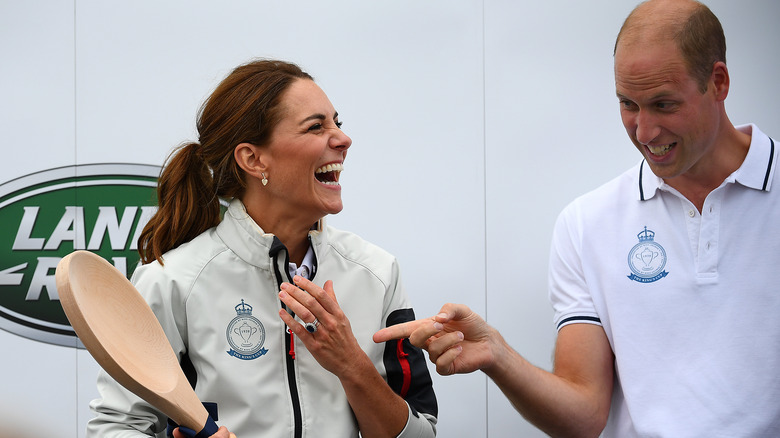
x=756, y=172
x=758, y=168
x=648, y=182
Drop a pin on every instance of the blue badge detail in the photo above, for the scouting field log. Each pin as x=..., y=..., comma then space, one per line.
x=647, y=259
x=245, y=334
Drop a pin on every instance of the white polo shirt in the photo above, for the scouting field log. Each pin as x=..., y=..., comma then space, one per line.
x=690, y=302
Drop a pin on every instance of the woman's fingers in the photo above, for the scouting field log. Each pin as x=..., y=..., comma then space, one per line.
x=300, y=303
x=325, y=296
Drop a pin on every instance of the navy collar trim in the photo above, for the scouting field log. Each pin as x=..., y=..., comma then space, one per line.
x=769, y=166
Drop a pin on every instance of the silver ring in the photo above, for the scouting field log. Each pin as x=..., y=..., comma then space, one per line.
x=311, y=327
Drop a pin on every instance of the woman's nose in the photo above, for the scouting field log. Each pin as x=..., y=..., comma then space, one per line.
x=340, y=140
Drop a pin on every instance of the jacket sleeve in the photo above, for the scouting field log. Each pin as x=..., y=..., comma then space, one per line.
x=118, y=412
x=121, y=414
x=407, y=369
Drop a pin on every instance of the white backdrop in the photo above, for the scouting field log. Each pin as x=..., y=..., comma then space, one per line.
x=474, y=123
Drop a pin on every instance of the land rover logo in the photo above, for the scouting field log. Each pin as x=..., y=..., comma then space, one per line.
x=46, y=215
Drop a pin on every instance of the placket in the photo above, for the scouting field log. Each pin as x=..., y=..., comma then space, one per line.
x=704, y=234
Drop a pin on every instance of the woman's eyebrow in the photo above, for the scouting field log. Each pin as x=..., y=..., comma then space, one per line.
x=313, y=117
x=318, y=116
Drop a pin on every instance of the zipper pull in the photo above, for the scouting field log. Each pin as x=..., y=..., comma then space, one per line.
x=292, y=343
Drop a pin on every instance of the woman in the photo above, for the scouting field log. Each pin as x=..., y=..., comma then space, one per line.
x=273, y=359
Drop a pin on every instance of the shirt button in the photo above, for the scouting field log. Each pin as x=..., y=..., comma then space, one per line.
x=691, y=213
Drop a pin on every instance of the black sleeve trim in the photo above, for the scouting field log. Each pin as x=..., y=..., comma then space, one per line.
x=407, y=369
x=579, y=318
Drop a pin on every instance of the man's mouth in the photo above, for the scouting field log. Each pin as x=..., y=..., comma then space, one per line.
x=660, y=151
x=329, y=174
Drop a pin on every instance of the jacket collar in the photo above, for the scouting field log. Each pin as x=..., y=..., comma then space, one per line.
x=253, y=245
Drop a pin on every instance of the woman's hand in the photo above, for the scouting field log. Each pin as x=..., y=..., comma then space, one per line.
x=333, y=340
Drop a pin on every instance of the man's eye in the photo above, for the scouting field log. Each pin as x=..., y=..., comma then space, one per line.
x=627, y=104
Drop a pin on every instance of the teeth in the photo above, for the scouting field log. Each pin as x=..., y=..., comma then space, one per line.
x=337, y=167
x=660, y=150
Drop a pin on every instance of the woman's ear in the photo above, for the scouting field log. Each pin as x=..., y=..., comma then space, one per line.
x=250, y=158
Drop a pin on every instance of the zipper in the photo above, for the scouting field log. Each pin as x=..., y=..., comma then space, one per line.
x=289, y=350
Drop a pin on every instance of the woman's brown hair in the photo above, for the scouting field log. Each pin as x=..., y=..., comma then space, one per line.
x=244, y=108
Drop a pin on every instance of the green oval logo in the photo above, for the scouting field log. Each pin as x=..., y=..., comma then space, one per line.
x=46, y=215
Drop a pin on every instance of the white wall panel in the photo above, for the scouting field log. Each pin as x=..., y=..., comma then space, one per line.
x=752, y=37
x=36, y=85
x=37, y=388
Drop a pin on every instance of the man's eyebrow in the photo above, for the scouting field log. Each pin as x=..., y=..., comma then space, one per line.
x=660, y=95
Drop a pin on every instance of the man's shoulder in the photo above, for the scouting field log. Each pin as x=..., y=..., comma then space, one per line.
x=618, y=190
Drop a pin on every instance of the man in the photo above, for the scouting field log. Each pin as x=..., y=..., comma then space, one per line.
x=663, y=281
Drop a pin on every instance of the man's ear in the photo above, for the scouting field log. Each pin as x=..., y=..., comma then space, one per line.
x=720, y=80
x=250, y=158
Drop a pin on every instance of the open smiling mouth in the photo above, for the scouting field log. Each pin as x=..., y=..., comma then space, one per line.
x=329, y=174
x=660, y=151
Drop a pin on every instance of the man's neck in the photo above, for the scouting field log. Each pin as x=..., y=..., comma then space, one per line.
x=698, y=182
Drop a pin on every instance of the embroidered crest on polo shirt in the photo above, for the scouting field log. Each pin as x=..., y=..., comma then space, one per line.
x=245, y=334
x=647, y=259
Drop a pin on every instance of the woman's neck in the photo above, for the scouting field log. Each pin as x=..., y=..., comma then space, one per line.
x=291, y=230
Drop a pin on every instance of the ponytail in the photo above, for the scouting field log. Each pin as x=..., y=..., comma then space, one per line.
x=188, y=204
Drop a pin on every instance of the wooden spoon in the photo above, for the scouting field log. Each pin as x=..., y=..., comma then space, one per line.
x=121, y=332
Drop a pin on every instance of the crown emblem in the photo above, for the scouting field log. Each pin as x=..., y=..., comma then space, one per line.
x=243, y=308
x=245, y=334
x=646, y=235
x=647, y=259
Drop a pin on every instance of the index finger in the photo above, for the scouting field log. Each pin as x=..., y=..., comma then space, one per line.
x=421, y=328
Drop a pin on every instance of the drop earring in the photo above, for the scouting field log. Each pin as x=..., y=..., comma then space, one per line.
x=264, y=180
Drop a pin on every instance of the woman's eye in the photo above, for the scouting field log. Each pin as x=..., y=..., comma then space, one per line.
x=338, y=124
x=315, y=127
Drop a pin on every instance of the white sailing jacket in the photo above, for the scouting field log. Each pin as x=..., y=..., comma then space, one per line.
x=217, y=300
